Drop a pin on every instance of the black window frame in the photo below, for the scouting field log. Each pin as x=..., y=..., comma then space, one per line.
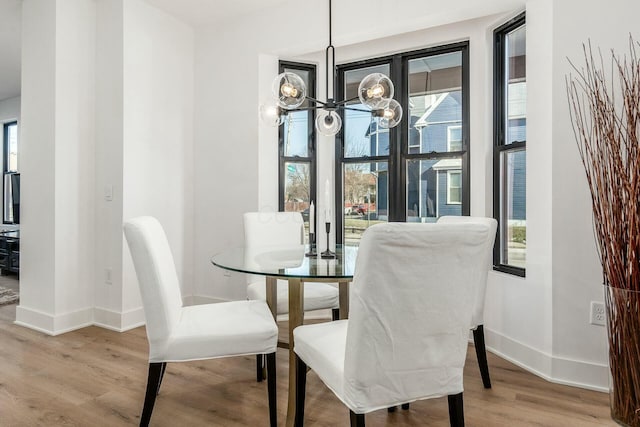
x=311, y=139
x=5, y=165
x=399, y=135
x=500, y=133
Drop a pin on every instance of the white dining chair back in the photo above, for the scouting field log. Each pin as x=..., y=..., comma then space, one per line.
x=157, y=278
x=411, y=304
x=480, y=290
x=410, y=309
x=286, y=229
x=273, y=229
x=481, y=285
x=270, y=229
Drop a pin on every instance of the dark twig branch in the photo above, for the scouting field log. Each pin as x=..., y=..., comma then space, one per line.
x=605, y=115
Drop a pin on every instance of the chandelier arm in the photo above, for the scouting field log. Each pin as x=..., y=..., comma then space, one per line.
x=346, y=100
x=317, y=101
x=355, y=109
x=315, y=107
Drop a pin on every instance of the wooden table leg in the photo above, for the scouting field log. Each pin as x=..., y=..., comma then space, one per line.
x=272, y=295
x=296, y=315
x=343, y=295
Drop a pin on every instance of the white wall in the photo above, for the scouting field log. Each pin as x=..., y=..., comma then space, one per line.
x=37, y=150
x=57, y=149
x=107, y=104
x=108, y=165
x=518, y=314
x=10, y=109
x=145, y=140
x=74, y=161
x=158, y=133
x=542, y=322
x=577, y=275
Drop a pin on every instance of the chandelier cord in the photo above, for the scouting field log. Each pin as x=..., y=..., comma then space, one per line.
x=333, y=61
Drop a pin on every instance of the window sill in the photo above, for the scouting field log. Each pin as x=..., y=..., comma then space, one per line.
x=515, y=271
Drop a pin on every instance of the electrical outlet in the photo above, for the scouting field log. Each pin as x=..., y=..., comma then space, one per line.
x=107, y=276
x=597, y=313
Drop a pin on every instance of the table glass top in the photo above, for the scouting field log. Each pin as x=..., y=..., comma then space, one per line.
x=288, y=261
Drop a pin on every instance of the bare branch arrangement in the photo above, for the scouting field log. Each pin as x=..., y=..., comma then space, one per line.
x=606, y=121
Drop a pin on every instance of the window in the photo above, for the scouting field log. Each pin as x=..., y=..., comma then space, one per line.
x=454, y=138
x=454, y=187
x=297, y=170
x=509, y=160
x=11, y=177
x=418, y=170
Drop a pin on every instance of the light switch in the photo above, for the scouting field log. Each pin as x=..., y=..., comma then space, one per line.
x=108, y=193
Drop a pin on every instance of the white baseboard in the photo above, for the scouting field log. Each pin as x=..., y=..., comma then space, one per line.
x=118, y=321
x=53, y=325
x=576, y=373
x=67, y=322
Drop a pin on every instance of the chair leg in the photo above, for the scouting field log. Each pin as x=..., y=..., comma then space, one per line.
x=456, y=410
x=391, y=409
x=271, y=386
x=481, y=354
x=335, y=314
x=259, y=367
x=164, y=368
x=357, y=420
x=301, y=385
x=153, y=383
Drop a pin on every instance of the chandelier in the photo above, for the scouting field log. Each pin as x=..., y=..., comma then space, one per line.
x=375, y=93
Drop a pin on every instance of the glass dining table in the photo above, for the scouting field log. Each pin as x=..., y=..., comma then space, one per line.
x=291, y=263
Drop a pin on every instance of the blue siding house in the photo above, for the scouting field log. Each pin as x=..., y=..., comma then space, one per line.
x=434, y=187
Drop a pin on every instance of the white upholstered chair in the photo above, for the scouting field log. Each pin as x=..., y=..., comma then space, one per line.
x=477, y=320
x=286, y=229
x=410, y=308
x=180, y=334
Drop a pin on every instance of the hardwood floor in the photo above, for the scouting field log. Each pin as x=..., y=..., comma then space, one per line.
x=96, y=377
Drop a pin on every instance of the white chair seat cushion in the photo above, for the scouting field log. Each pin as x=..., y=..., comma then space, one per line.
x=317, y=295
x=218, y=330
x=322, y=347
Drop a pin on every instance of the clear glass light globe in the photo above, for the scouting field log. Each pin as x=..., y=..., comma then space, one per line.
x=328, y=123
x=390, y=115
x=270, y=114
x=289, y=89
x=375, y=90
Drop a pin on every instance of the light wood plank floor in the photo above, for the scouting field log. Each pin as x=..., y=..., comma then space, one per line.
x=95, y=377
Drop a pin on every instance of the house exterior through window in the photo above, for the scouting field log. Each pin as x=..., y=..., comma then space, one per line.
x=510, y=136
x=417, y=171
x=11, y=175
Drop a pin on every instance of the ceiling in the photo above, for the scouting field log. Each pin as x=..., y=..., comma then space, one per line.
x=193, y=12
x=202, y=12
x=10, y=41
